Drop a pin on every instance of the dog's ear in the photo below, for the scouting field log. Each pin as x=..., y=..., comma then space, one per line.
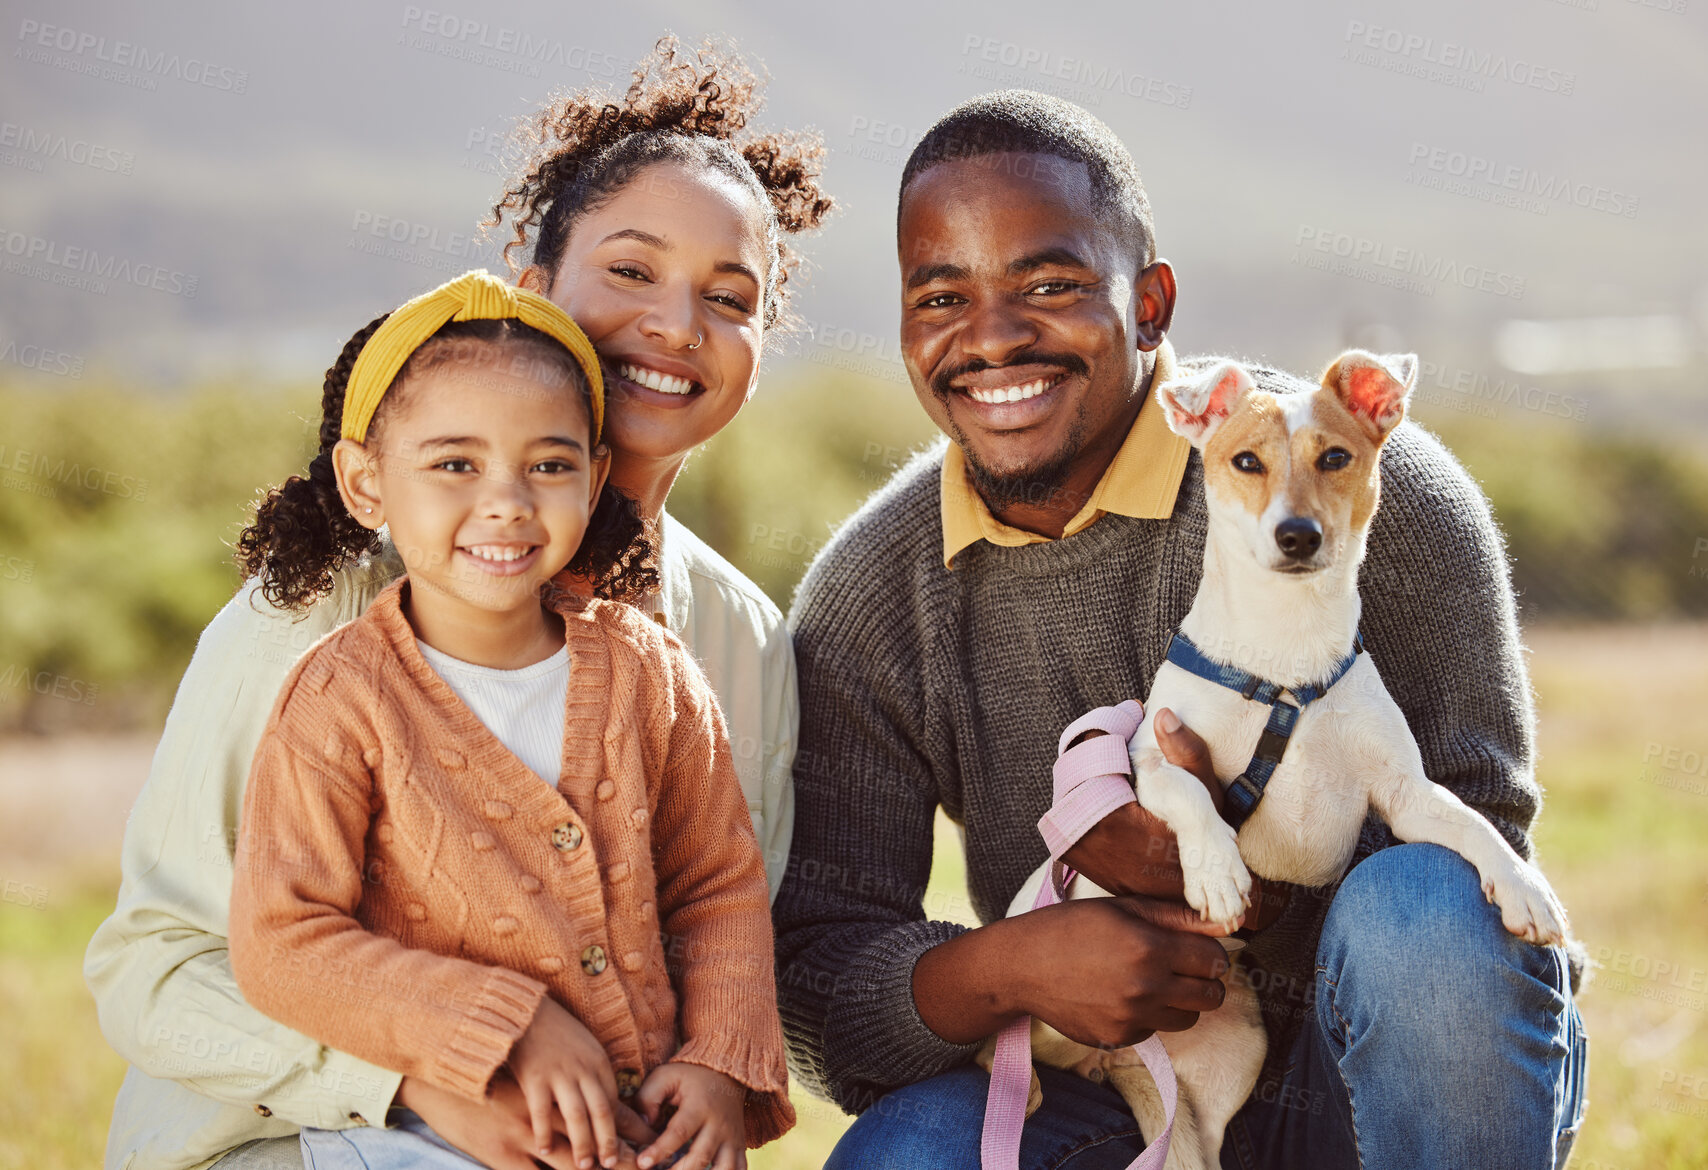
x=1373, y=388
x=1196, y=405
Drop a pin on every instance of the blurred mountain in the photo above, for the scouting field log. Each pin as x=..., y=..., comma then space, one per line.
x=1361, y=172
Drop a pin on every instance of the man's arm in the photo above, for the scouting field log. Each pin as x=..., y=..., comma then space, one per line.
x=850, y=916
x=1441, y=626
x=158, y=967
x=873, y=995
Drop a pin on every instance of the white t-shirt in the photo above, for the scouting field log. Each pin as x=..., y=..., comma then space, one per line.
x=523, y=708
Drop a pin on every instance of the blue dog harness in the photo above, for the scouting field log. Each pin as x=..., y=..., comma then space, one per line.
x=1241, y=797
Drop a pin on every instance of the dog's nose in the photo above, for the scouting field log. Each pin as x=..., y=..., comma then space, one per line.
x=1299, y=537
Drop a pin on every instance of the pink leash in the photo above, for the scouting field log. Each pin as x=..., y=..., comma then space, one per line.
x=1091, y=781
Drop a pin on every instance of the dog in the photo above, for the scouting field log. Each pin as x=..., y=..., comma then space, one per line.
x=1291, y=482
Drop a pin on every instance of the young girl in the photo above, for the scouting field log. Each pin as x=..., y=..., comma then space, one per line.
x=492, y=823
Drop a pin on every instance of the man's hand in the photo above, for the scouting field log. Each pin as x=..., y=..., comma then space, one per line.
x=1103, y=971
x=1132, y=851
x=497, y=1132
x=1137, y=966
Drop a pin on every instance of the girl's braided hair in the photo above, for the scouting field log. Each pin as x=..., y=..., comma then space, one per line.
x=683, y=107
x=303, y=534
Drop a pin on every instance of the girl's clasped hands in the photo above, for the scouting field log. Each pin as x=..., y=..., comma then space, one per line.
x=561, y=1068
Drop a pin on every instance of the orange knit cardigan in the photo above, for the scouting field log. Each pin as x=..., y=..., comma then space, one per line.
x=406, y=889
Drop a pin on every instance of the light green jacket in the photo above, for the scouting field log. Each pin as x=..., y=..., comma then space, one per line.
x=209, y=1072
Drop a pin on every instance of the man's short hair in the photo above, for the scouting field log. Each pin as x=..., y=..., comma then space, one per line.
x=1024, y=121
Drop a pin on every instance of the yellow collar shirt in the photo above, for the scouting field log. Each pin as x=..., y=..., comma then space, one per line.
x=1141, y=481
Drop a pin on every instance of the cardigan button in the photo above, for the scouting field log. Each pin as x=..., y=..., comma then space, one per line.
x=605, y=790
x=593, y=959
x=566, y=838
x=358, y=1119
x=530, y=884
x=628, y=1082
x=263, y=1111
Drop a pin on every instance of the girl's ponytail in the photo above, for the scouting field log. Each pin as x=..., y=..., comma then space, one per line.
x=616, y=556
x=302, y=532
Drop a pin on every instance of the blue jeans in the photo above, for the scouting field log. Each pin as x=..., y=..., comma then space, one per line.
x=1432, y=1038
x=408, y=1145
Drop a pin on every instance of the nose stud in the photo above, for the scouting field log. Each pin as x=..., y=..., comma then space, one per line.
x=699, y=339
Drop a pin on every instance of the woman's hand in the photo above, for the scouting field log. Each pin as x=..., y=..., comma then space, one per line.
x=708, y=1112
x=558, y=1062
x=496, y=1132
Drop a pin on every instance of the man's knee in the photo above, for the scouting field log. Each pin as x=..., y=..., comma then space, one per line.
x=1412, y=920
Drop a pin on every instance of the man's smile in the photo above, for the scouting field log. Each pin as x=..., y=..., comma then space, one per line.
x=1007, y=397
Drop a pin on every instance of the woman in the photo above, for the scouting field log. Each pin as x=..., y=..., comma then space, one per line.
x=658, y=223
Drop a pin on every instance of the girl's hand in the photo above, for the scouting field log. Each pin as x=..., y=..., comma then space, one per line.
x=708, y=1112
x=558, y=1061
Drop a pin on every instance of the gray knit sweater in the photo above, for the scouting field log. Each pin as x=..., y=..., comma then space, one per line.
x=922, y=686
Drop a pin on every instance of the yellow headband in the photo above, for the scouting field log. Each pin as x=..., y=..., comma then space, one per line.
x=474, y=296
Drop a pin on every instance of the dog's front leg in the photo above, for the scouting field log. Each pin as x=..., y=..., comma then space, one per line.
x=1418, y=809
x=1218, y=885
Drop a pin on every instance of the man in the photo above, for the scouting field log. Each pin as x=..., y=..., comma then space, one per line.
x=1032, y=569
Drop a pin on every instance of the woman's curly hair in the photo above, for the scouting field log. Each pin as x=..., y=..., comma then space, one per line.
x=689, y=107
x=303, y=533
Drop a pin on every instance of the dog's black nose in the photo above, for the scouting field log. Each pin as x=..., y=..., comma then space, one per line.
x=1299, y=537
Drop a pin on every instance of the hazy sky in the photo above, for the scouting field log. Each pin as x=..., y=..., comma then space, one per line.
x=1405, y=176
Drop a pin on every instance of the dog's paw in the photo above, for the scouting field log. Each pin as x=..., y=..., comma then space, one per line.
x=1218, y=885
x=1528, y=907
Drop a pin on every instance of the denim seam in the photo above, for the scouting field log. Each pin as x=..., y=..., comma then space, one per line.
x=1093, y=1141
x=1346, y=1033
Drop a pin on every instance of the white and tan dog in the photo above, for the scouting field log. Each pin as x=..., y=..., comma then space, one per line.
x=1291, y=483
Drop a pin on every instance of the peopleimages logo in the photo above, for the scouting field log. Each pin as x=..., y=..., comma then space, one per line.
x=1476, y=170
x=124, y=61
x=29, y=146
x=33, y=470
x=982, y=56
x=1407, y=268
x=36, y=357
x=86, y=268
x=1448, y=62
x=498, y=46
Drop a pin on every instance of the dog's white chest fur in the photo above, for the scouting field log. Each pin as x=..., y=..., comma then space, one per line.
x=1306, y=827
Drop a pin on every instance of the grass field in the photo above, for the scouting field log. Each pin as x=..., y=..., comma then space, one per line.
x=1621, y=837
